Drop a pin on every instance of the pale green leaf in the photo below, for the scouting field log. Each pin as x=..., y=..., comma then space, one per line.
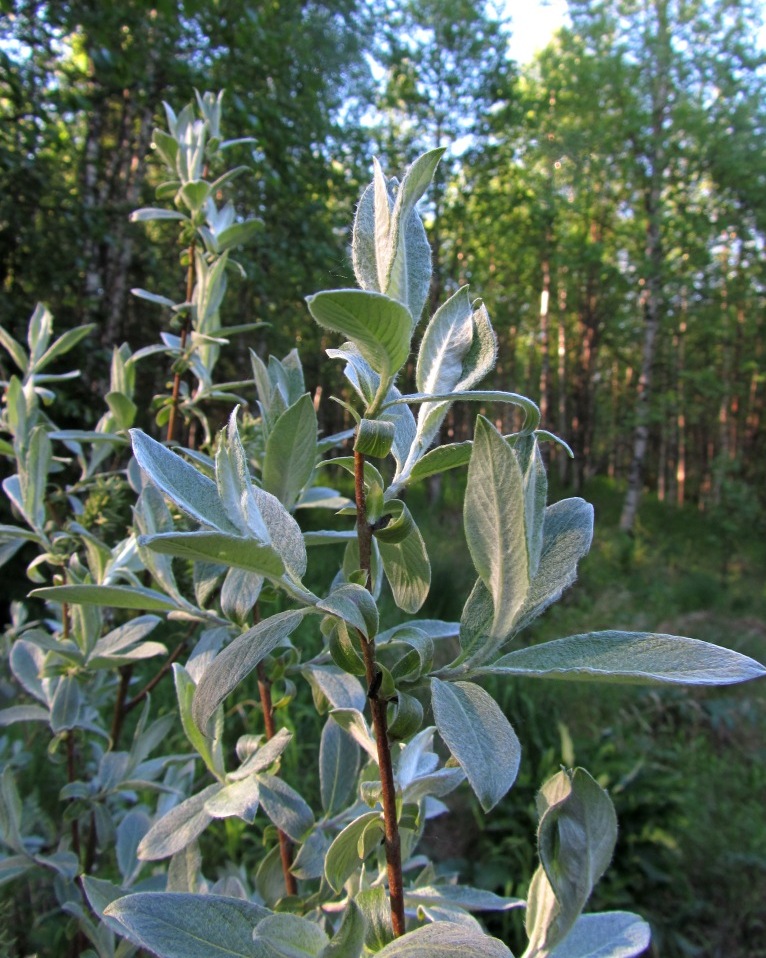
x=177, y=925
x=291, y=452
x=609, y=934
x=285, y=807
x=237, y=661
x=338, y=767
x=407, y=569
x=348, y=940
x=445, y=939
x=494, y=524
x=181, y=482
x=635, y=658
x=479, y=736
x=114, y=596
x=218, y=547
x=379, y=326
x=178, y=827
x=343, y=855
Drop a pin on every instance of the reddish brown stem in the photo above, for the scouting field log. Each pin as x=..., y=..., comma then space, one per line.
x=184, y=336
x=285, y=850
x=378, y=708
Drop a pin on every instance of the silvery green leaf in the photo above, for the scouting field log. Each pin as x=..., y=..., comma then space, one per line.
x=26, y=661
x=149, y=213
x=417, y=757
x=291, y=452
x=285, y=807
x=240, y=799
x=309, y=860
x=39, y=332
x=290, y=936
x=66, y=705
x=151, y=516
x=124, y=636
x=339, y=688
x=448, y=912
x=153, y=298
x=184, y=869
x=494, y=524
x=567, y=535
x=206, y=577
x=635, y=658
x=14, y=349
x=10, y=812
x=353, y=722
x=338, y=767
x=100, y=894
x=383, y=203
x=264, y=756
x=348, y=940
x=354, y=604
x=434, y=628
x=233, y=550
x=471, y=899
x=479, y=736
x=380, y=327
x=374, y=906
x=446, y=341
x=34, y=476
x=176, y=925
x=445, y=939
x=531, y=411
x=408, y=272
x=232, y=478
x=434, y=785
x=609, y=934
x=535, y=497
x=239, y=593
x=576, y=838
x=238, y=660
x=23, y=713
x=185, y=485
x=476, y=623
x=322, y=497
x=407, y=569
x=481, y=356
x=178, y=827
x=284, y=531
x=343, y=857
x=130, y=831
x=114, y=596
x=207, y=647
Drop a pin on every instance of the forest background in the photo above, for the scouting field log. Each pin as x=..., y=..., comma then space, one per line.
x=615, y=188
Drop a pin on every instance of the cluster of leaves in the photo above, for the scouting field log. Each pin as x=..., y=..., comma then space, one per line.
x=214, y=544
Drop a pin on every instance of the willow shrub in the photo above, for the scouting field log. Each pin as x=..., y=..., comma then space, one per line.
x=214, y=562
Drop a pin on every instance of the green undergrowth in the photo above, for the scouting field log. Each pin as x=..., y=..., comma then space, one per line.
x=685, y=768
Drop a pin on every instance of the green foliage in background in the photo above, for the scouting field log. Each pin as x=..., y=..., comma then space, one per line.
x=216, y=574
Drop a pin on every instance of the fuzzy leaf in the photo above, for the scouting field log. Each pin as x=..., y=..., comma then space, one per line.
x=407, y=569
x=178, y=827
x=338, y=767
x=494, y=524
x=291, y=452
x=445, y=939
x=114, y=596
x=635, y=658
x=186, y=486
x=239, y=552
x=348, y=941
x=177, y=925
x=479, y=736
x=609, y=934
x=285, y=807
x=238, y=660
x=343, y=856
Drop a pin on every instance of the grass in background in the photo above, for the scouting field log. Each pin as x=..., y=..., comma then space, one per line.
x=686, y=768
